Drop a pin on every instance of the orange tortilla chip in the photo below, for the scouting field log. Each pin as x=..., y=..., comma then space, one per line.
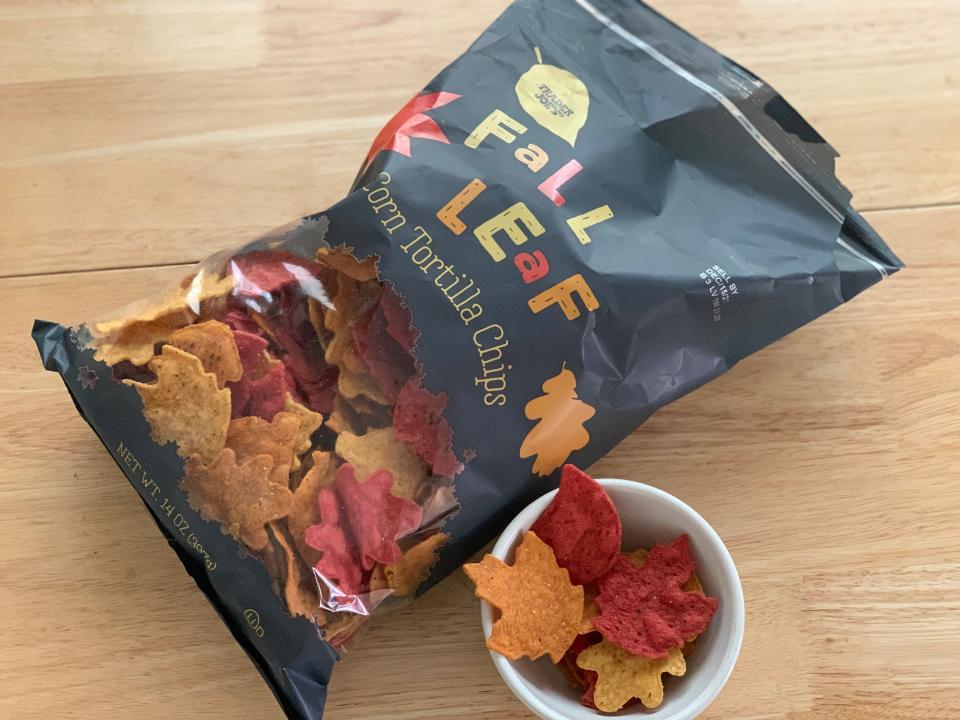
x=343, y=262
x=310, y=421
x=590, y=611
x=622, y=676
x=135, y=341
x=303, y=511
x=380, y=450
x=212, y=343
x=183, y=298
x=540, y=610
x=300, y=591
x=249, y=436
x=412, y=569
x=185, y=405
x=133, y=336
x=239, y=496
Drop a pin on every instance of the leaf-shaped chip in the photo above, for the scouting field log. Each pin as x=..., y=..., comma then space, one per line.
x=582, y=526
x=645, y=610
x=212, y=343
x=185, y=405
x=310, y=421
x=556, y=98
x=135, y=341
x=304, y=511
x=408, y=572
x=540, y=610
x=622, y=676
x=418, y=421
x=298, y=585
x=380, y=450
x=249, y=436
x=638, y=557
x=240, y=496
x=341, y=260
x=339, y=564
x=376, y=517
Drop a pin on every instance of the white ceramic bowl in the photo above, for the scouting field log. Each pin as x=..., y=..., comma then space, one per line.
x=648, y=516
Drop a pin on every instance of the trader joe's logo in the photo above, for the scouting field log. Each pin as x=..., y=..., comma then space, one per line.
x=555, y=98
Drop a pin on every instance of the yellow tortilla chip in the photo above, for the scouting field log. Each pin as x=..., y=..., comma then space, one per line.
x=622, y=676
x=379, y=449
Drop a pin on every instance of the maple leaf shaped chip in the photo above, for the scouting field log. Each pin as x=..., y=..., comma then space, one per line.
x=645, y=610
x=582, y=526
x=185, y=405
x=239, y=496
x=622, y=676
x=377, y=518
x=540, y=610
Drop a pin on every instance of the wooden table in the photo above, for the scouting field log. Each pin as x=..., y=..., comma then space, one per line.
x=139, y=135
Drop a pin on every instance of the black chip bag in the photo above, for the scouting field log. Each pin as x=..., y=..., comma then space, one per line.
x=587, y=215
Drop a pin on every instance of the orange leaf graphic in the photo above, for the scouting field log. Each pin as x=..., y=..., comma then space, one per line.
x=560, y=430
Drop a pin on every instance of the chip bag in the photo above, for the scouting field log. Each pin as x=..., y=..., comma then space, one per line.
x=587, y=215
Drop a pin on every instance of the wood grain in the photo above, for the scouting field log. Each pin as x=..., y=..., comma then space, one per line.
x=139, y=133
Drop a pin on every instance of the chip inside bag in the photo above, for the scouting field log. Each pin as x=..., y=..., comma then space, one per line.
x=584, y=217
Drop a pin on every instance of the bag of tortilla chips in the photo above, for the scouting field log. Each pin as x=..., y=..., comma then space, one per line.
x=587, y=215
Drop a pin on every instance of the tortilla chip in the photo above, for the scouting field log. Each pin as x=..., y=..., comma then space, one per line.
x=622, y=676
x=185, y=405
x=213, y=344
x=540, y=610
x=240, y=496
x=380, y=450
x=249, y=436
x=409, y=571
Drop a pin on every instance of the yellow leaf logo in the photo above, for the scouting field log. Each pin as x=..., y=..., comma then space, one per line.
x=555, y=98
x=560, y=430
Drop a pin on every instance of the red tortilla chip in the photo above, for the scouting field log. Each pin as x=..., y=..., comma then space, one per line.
x=261, y=390
x=582, y=526
x=389, y=363
x=399, y=320
x=339, y=565
x=265, y=272
x=376, y=517
x=238, y=320
x=418, y=421
x=645, y=610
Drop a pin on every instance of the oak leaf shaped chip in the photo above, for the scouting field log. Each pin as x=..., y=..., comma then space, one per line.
x=622, y=676
x=540, y=610
x=185, y=405
x=249, y=436
x=380, y=450
x=240, y=496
